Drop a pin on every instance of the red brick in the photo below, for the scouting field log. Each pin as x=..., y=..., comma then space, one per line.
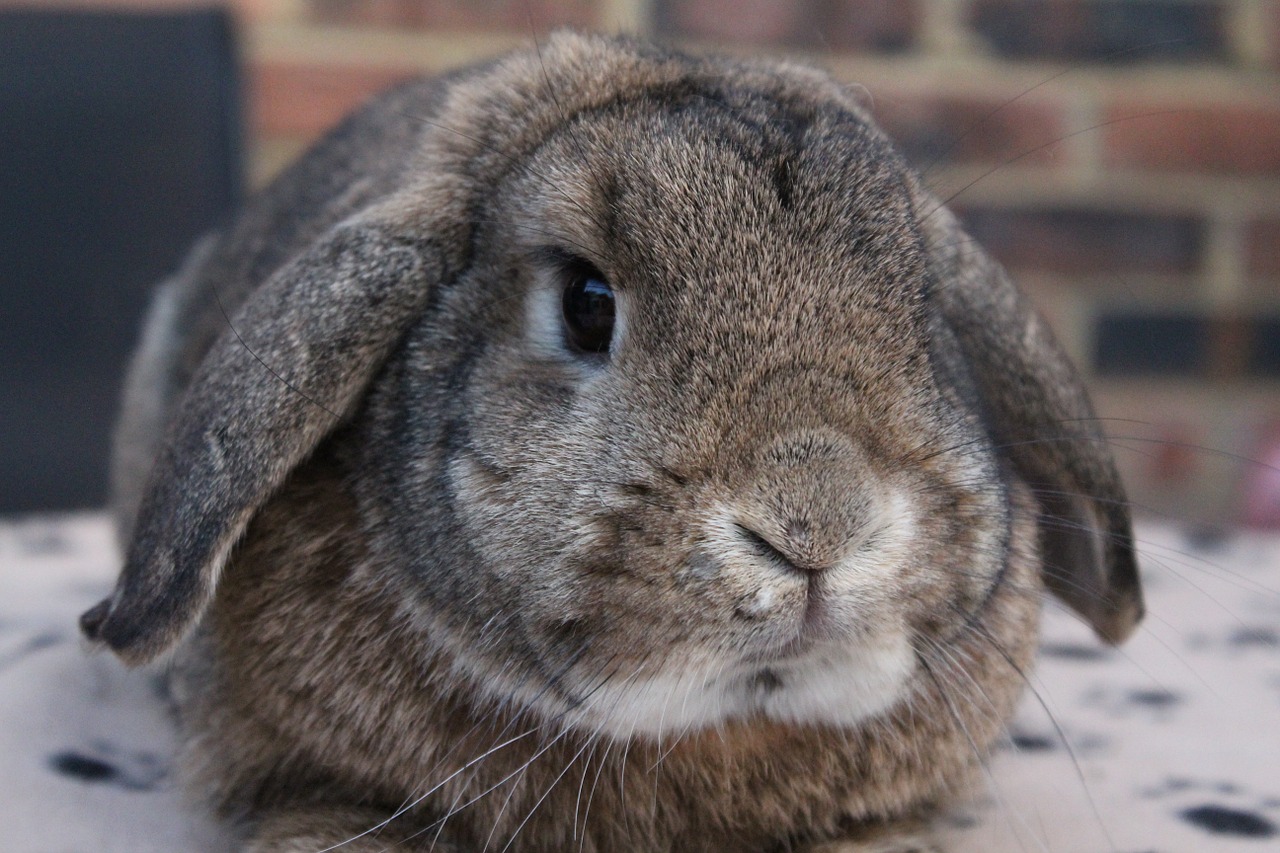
x=741, y=21
x=887, y=25
x=369, y=13
x=853, y=25
x=1229, y=342
x=305, y=100
x=527, y=16
x=934, y=129
x=1262, y=248
x=1088, y=241
x=1273, y=32
x=1183, y=137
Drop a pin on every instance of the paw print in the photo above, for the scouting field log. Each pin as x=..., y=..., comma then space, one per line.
x=1222, y=809
x=102, y=763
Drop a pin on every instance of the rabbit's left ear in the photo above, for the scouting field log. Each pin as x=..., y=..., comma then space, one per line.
x=290, y=367
x=1039, y=414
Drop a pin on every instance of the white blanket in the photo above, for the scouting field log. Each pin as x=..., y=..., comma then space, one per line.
x=1170, y=744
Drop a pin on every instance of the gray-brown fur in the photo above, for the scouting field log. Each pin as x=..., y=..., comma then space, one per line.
x=460, y=546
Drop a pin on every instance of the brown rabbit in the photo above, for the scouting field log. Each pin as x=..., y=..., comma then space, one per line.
x=602, y=449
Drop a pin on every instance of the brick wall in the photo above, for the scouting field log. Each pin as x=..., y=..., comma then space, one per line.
x=1122, y=157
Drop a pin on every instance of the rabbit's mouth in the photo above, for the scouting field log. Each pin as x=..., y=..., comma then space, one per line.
x=816, y=624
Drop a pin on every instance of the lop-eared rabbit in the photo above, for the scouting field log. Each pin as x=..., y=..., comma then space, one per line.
x=601, y=449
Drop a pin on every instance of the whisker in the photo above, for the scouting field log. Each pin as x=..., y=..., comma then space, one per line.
x=1057, y=726
x=518, y=775
x=582, y=783
x=978, y=753
x=435, y=788
x=986, y=117
x=543, y=798
x=1009, y=162
x=416, y=801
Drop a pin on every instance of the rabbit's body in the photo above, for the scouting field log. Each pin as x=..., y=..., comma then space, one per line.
x=623, y=453
x=403, y=723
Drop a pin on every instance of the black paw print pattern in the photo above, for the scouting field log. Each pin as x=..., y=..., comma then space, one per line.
x=101, y=763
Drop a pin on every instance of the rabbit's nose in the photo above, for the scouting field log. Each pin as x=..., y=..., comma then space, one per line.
x=789, y=545
x=806, y=502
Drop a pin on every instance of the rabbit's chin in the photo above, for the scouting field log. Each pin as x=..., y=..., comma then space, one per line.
x=834, y=685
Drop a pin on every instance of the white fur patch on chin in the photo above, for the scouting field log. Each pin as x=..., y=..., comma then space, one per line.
x=835, y=686
x=838, y=686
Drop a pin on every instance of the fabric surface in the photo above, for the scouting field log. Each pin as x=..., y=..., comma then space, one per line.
x=1170, y=744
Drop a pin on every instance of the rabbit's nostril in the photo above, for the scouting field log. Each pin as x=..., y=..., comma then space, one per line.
x=788, y=554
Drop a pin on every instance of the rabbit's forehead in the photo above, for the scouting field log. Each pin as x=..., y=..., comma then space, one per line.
x=736, y=199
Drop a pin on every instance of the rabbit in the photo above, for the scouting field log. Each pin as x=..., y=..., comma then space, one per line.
x=601, y=448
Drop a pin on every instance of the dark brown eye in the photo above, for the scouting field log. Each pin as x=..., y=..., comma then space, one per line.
x=588, y=305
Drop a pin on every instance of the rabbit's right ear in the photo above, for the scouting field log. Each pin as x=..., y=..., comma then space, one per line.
x=289, y=368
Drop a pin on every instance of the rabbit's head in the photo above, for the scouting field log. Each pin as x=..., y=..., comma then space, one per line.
x=671, y=398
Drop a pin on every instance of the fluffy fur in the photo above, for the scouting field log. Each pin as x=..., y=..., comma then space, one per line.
x=764, y=576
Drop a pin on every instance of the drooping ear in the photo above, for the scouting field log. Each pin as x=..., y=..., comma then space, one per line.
x=1037, y=408
x=291, y=365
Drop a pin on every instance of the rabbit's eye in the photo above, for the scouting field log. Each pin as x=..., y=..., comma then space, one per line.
x=588, y=305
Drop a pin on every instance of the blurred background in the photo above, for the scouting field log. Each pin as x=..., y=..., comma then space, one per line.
x=1121, y=157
